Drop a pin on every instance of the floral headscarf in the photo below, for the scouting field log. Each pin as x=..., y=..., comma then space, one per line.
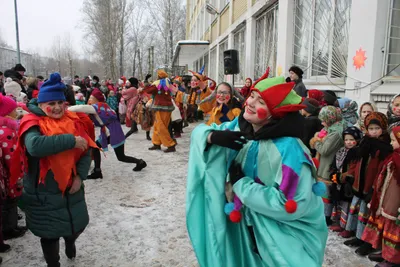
x=360, y=121
x=393, y=119
x=332, y=116
x=377, y=118
x=349, y=110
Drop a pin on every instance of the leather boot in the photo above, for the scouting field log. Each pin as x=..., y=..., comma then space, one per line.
x=148, y=135
x=170, y=149
x=70, y=249
x=155, y=147
x=141, y=165
x=51, y=251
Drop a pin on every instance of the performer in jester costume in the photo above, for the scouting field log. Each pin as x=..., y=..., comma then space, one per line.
x=252, y=195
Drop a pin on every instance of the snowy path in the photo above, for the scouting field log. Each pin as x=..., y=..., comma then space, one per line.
x=138, y=219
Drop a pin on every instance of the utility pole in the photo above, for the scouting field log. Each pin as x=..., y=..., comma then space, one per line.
x=17, y=31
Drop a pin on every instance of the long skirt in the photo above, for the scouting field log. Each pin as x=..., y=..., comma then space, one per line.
x=385, y=234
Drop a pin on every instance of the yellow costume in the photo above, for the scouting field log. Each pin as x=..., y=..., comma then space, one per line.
x=218, y=116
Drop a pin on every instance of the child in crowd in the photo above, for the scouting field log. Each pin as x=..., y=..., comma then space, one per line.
x=79, y=99
x=365, y=109
x=327, y=147
x=122, y=110
x=342, y=192
x=8, y=141
x=312, y=124
x=383, y=228
x=112, y=100
x=393, y=112
x=372, y=151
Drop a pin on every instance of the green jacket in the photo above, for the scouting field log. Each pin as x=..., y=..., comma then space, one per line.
x=49, y=214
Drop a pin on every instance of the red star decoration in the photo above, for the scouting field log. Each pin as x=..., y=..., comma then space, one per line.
x=359, y=59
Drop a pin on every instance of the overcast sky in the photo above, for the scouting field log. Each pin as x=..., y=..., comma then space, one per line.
x=40, y=21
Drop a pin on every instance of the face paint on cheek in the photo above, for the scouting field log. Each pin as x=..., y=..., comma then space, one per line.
x=354, y=143
x=48, y=109
x=261, y=113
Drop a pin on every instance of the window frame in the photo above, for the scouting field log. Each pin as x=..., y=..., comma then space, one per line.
x=221, y=59
x=325, y=78
x=385, y=67
x=242, y=54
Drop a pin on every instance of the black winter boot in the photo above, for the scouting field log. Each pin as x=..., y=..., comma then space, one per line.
x=148, y=135
x=155, y=147
x=141, y=165
x=70, y=249
x=51, y=251
x=96, y=174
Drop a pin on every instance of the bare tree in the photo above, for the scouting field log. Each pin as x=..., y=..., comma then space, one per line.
x=169, y=22
x=68, y=51
x=57, y=52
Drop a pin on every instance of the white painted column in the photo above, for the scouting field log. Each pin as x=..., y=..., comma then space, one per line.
x=285, y=35
x=368, y=26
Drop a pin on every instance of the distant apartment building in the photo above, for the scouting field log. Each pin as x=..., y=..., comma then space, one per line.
x=349, y=46
x=8, y=59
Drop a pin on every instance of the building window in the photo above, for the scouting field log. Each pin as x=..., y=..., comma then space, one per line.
x=206, y=71
x=222, y=47
x=393, y=48
x=222, y=4
x=240, y=45
x=321, y=37
x=266, y=42
x=213, y=64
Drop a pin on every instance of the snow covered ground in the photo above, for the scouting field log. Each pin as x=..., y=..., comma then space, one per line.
x=138, y=219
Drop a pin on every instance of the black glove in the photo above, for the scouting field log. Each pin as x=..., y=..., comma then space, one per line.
x=368, y=197
x=235, y=172
x=229, y=139
x=147, y=77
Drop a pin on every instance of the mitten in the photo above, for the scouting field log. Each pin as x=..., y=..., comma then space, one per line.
x=229, y=139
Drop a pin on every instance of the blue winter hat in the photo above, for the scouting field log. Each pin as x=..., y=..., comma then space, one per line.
x=52, y=89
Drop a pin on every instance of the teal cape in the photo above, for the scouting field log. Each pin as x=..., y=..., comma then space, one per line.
x=282, y=239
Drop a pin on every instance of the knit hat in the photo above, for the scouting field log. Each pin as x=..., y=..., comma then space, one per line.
x=98, y=95
x=297, y=70
x=278, y=95
x=312, y=106
x=330, y=97
x=7, y=105
x=12, y=88
x=377, y=118
x=79, y=96
x=52, y=89
x=96, y=78
x=353, y=131
x=19, y=67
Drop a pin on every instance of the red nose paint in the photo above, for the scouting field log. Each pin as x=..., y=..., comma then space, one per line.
x=261, y=113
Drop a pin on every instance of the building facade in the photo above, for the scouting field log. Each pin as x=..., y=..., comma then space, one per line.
x=8, y=59
x=349, y=46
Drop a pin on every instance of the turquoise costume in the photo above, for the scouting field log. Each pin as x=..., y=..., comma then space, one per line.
x=277, y=168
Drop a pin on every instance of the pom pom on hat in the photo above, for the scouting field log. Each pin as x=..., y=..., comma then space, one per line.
x=52, y=89
x=7, y=105
x=235, y=216
x=319, y=188
x=229, y=207
x=291, y=206
x=12, y=88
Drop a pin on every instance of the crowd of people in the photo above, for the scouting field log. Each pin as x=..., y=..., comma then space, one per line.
x=304, y=158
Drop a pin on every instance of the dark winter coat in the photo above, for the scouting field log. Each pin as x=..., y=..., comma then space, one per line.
x=49, y=214
x=312, y=125
x=300, y=88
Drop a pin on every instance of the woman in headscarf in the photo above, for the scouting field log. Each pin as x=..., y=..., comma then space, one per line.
x=246, y=89
x=365, y=109
x=58, y=159
x=130, y=95
x=327, y=145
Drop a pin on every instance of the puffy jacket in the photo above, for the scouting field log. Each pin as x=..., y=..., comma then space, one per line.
x=49, y=214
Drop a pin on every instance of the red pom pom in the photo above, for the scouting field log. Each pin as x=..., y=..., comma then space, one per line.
x=316, y=162
x=235, y=216
x=291, y=206
x=261, y=113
